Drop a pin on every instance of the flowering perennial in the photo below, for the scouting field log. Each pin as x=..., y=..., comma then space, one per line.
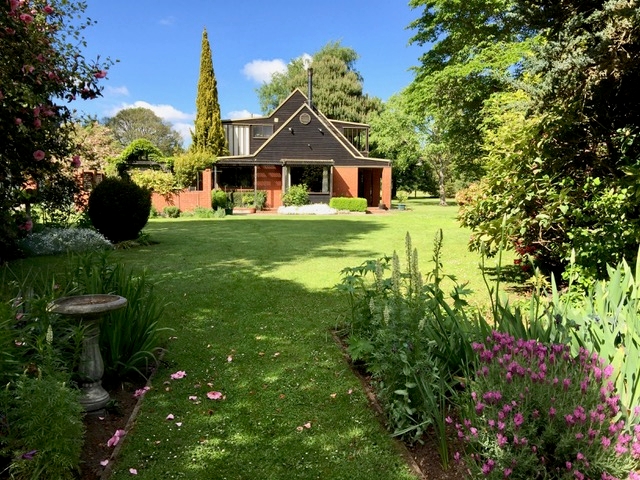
x=536, y=411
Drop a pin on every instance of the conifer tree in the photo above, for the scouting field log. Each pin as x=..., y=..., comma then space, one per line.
x=208, y=136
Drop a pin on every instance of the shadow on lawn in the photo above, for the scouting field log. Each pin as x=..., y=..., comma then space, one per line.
x=293, y=408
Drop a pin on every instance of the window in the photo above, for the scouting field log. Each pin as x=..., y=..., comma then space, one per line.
x=315, y=177
x=235, y=177
x=261, y=131
x=357, y=137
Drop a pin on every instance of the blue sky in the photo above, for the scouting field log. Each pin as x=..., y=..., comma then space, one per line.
x=157, y=43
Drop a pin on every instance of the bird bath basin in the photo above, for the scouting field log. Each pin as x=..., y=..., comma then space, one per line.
x=89, y=310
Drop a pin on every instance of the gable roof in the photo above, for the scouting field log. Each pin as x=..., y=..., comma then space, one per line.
x=317, y=140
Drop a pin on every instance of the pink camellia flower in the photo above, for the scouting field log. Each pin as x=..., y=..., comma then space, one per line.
x=37, y=123
x=14, y=5
x=75, y=163
x=214, y=395
x=26, y=18
x=18, y=121
x=178, y=375
x=38, y=155
x=100, y=74
x=48, y=9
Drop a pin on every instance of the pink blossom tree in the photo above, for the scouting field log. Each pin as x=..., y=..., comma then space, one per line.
x=41, y=70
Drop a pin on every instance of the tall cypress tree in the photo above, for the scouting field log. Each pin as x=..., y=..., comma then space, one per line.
x=208, y=136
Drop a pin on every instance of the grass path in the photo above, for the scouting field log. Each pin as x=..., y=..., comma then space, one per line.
x=251, y=304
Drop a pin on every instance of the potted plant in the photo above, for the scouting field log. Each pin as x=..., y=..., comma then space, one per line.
x=402, y=197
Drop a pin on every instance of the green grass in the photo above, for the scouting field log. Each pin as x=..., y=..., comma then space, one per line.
x=260, y=289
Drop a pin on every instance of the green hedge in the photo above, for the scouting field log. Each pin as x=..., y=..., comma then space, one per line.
x=349, y=203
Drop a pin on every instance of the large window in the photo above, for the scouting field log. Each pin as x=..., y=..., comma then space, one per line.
x=261, y=131
x=315, y=177
x=234, y=177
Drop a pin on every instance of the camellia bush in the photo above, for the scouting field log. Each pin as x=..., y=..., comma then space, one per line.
x=41, y=69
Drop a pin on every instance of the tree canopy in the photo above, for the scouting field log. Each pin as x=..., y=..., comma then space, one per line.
x=41, y=68
x=208, y=136
x=337, y=85
x=133, y=123
x=542, y=92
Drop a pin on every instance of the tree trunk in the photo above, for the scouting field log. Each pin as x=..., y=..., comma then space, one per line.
x=442, y=190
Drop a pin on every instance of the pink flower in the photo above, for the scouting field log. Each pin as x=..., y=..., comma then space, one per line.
x=18, y=121
x=214, y=395
x=113, y=441
x=100, y=74
x=178, y=375
x=26, y=18
x=75, y=161
x=37, y=123
x=38, y=155
x=48, y=9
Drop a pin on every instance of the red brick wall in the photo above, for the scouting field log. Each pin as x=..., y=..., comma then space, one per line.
x=270, y=180
x=345, y=181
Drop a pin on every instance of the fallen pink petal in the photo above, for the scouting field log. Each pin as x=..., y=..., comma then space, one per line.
x=113, y=441
x=133, y=471
x=214, y=395
x=178, y=424
x=193, y=398
x=170, y=417
x=104, y=463
x=307, y=425
x=141, y=391
x=178, y=375
x=229, y=358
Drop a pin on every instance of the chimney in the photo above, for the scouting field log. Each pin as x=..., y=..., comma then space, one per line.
x=310, y=86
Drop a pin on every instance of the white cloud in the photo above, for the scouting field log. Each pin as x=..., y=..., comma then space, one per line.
x=184, y=129
x=167, y=21
x=261, y=71
x=116, y=91
x=237, y=114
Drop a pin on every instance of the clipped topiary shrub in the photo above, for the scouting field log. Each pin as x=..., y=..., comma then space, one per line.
x=349, y=204
x=119, y=209
x=297, y=195
x=219, y=199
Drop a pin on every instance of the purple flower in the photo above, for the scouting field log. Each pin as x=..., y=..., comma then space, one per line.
x=518, y=420
x=29, y=455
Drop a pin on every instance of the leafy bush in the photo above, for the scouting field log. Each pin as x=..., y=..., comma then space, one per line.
x=119, y=209
x=162, y=183
x=54, y=241
x=249, y=199
x=171, y=211
x=201, y=212
x=402, y=196
x=415, y=345
x=535, y=411
x=219, y=199
x=45, y=430
x=187, y=166
x=349, y=204
x=297, y=195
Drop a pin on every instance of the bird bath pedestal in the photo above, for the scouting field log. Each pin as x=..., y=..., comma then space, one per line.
x=89, y=310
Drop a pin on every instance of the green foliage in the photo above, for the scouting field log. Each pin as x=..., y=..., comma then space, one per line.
x=208, y=136
x=349, y=204
x=135, y=123
x=157, y=181
x=138, y=150
x=187, y=166
x=42, y=68
x=219, y=200
x=414, y=340
x=249, y=199
x=534, y=410
x=201, y=212
x=119, y=209
x=296, y=195
x=402, y=196
x=171, y=211
x=606, y=320
x=54, y=241
x=44, y=417
x=337, y=85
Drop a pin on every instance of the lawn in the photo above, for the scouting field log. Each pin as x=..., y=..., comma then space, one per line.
x=251, y=303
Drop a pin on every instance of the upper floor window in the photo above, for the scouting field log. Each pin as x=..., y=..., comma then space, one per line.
x=358, y=138
x=261, y=131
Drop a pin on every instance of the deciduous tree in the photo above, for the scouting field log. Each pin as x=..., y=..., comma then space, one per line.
x=131, y=124
x=337, y=85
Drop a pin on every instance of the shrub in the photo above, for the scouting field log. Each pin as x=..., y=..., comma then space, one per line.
x=249, y=199
x=201, y=212
x=219, y=199
x=54, y=241
x=119, y=209
x=349, y=204
x=171, y=211
x=535, y=411
x=402, y=196
x=297, y=195
x=45, y=428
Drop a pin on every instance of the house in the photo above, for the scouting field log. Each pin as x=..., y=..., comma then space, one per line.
x=294, y=145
